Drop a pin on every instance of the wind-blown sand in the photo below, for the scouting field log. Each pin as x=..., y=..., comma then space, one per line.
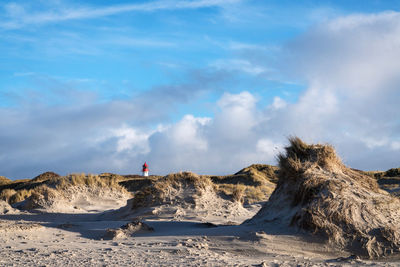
x=56, y=239
x=76, y=239
x=178, y=220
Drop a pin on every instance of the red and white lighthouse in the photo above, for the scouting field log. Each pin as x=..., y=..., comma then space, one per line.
x=145, y=170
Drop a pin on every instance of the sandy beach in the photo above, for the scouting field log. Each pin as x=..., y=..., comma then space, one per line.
x=77, y=239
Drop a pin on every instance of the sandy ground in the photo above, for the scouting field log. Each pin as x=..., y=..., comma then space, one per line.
x=60, y=239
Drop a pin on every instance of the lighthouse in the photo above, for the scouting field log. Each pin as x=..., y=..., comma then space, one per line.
x=145, y=170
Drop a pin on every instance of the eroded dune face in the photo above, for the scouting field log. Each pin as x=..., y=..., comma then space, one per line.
x=79, y=198
x=183, y=196
x=5, y=208
x=74, y=193
x=319, y=194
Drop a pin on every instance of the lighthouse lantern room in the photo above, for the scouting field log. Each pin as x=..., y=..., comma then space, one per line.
x=145, y=170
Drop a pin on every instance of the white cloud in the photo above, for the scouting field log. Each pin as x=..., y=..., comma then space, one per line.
x=395, y=145
x=351, y=65
x=222, y=144
x=355, y=55
x=355, y=21
x=131, y=139
x=241, y=46
x=21, y=74
x=237, y=112
x=372, y=143
x=278, y=103
x=186, y=135
x=19, y=16
x=268, y=148
x=239, y=65
x=351, y=70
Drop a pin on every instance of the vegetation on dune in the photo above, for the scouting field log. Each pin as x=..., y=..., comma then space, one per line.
x=106, y=181
x=254, y=175
x=256, y=183
x=4, y=180
x=41, y=196
x=46, y=184
x=395, y=172
x=177, y=179
x=252, y=184
x=316, y=192
x=160, y=189
x=19, y=196
x=388, y=180
x=45, y=176
x=6, y=194
x=250, y=194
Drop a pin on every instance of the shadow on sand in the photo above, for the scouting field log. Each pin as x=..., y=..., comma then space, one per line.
x=94, y=225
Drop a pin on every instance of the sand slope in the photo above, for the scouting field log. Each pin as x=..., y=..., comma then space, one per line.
x=185, y=196
x=320, y=195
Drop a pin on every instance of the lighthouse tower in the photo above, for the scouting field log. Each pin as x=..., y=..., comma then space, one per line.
x=145, y=170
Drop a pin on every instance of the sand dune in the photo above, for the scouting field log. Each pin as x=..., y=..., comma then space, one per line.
x=317, y=193
x=320, y=214
x=186, y=196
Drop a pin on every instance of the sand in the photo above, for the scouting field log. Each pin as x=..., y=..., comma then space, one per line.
x=180, y=224
x=40, y=238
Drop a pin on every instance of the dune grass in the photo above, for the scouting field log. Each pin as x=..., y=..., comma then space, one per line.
x=19, y=196
x=251, y=184
x=46, y=184
x=6, y=194
x=245, y=193
x=4, y=180
x=317, y=193
x=157, y=191
x=108, y=181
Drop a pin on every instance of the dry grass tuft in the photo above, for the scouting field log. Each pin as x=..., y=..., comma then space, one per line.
x=4, y=180
x=19, y=196
x=6, y=194
x=254, y=175
x=165, y=189
x=183, y=178
x=45, y=176
x=44, y=185
x=300, y=156
x=254, y=194
x=102, y=181
x=257, y=181
x=395, y=172
x=40, y=197
x=250, y=194
x=318, y=193
x=238, y=193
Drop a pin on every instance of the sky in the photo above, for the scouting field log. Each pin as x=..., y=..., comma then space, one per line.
x=209, y=86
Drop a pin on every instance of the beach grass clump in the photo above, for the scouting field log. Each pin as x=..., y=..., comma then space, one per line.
x=44, y=177
x=394, y=172
x=4, y=180
x=19, y=196
x=41, y=197
x=167, y=188
x=6, y=194
x=248, y=194
x=317, y=193
x=89, y=180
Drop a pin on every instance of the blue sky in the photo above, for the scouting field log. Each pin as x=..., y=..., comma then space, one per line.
x=208, y=85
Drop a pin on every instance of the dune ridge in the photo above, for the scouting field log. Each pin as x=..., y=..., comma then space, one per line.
x=317, y=193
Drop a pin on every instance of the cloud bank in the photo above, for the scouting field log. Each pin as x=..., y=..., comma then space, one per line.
x=351, y=66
